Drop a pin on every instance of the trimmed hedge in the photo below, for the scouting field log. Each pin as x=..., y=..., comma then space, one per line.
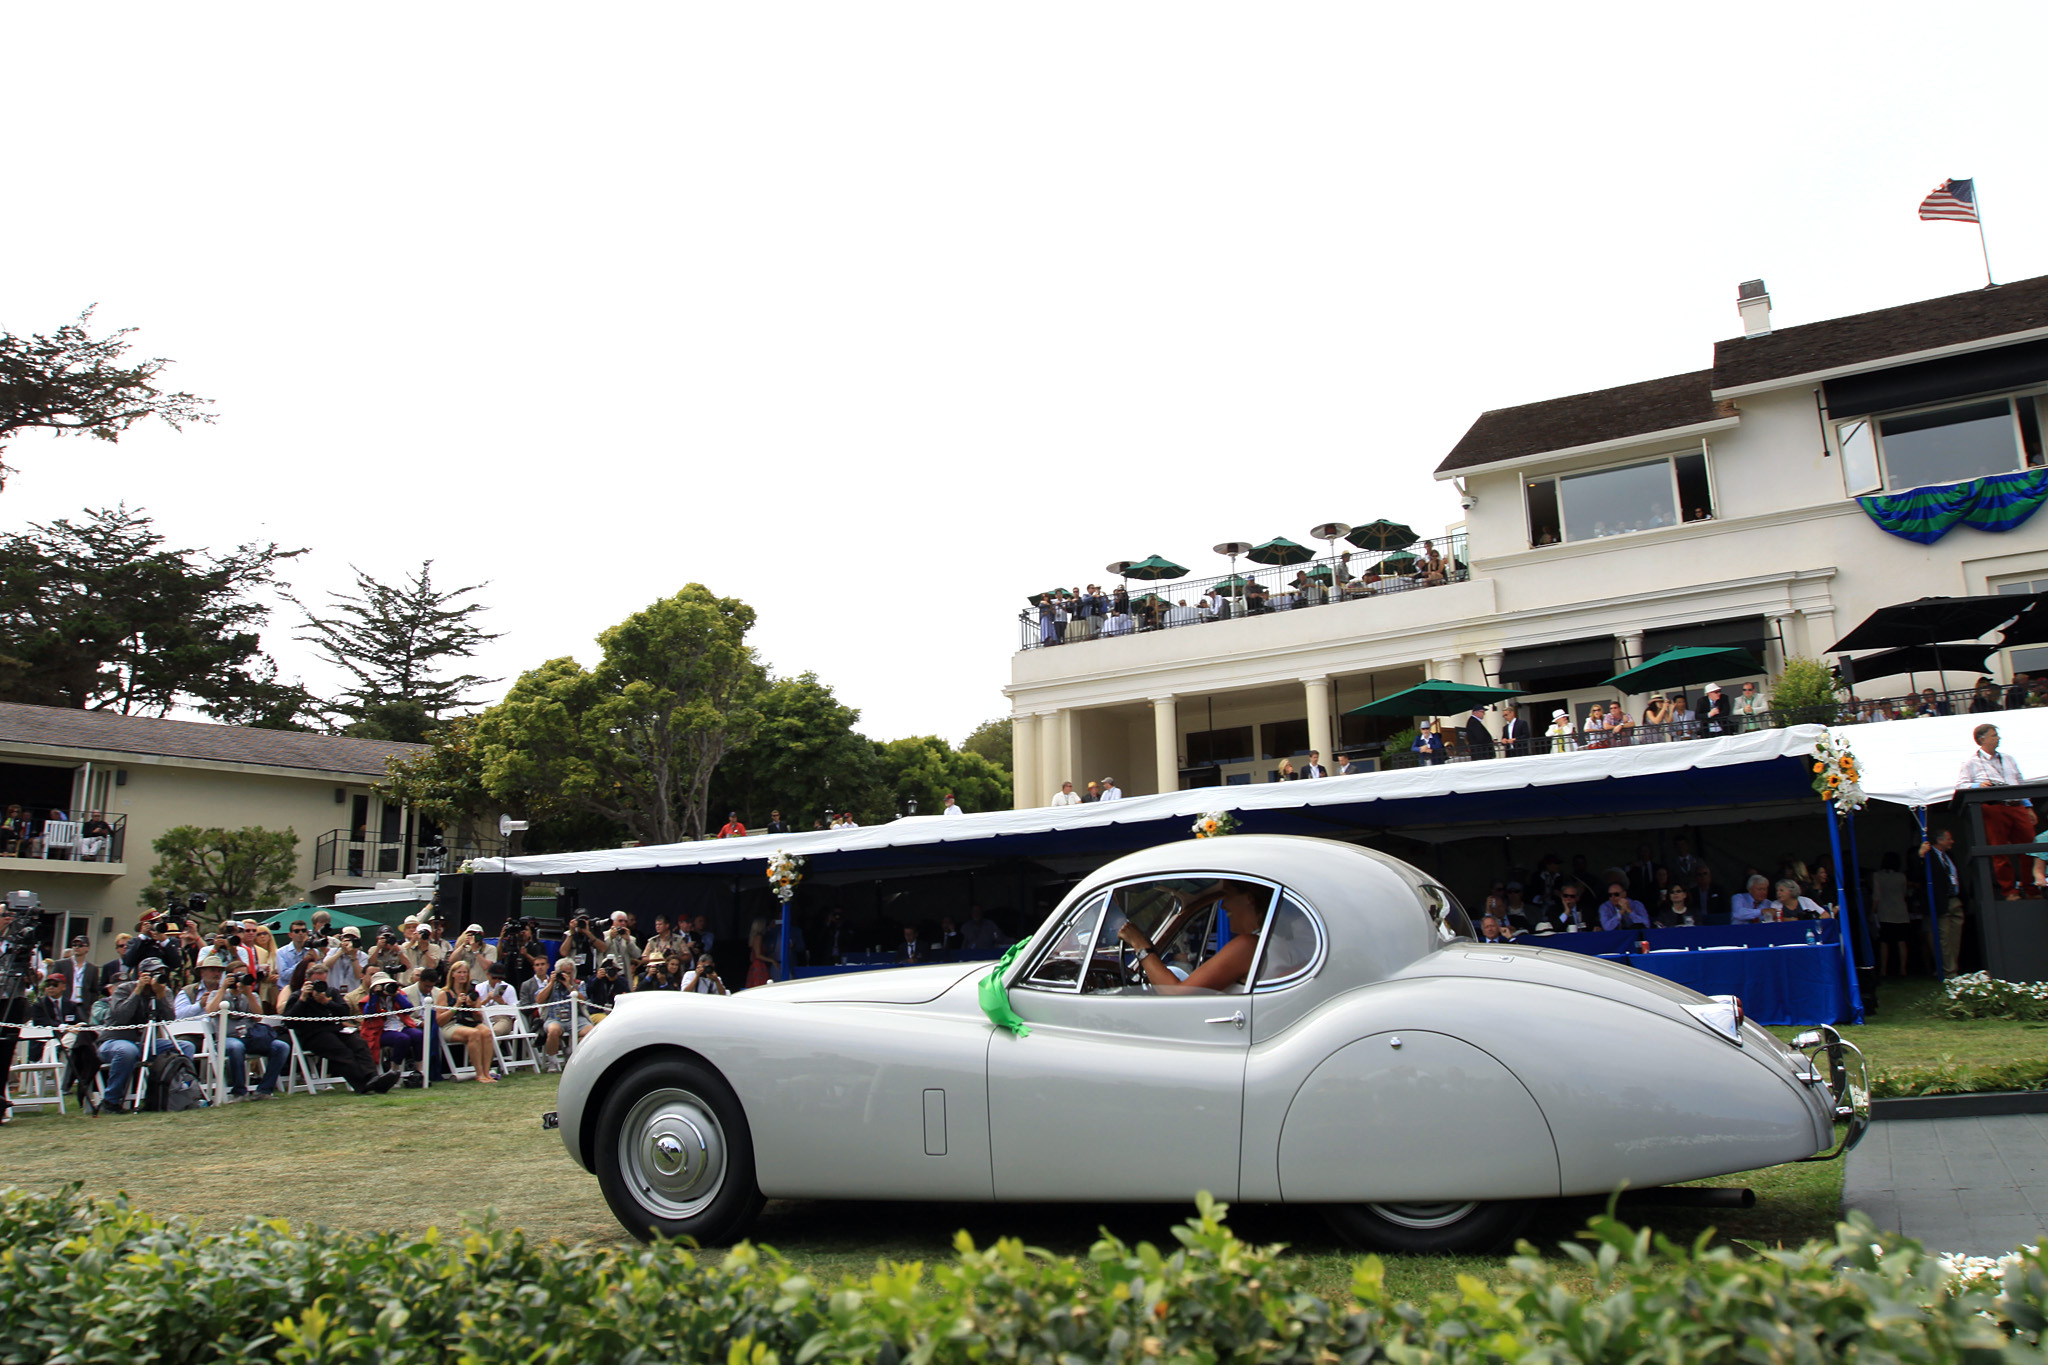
x=1951, y=1077
x=83, y=1280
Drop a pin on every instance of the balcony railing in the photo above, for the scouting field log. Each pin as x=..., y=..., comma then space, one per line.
x=344, y=853
x=1862, y=711
x=65, y=840
x=1260, y=589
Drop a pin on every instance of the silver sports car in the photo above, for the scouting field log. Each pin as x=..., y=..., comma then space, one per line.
x=1276, y=1020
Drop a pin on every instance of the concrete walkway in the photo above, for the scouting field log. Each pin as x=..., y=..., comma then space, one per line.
x=1975, y=1185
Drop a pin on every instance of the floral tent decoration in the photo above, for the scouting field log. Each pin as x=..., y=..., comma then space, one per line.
x=1835, y=775
x=1215, y=823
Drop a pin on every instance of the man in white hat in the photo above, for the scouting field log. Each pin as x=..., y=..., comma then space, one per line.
x=1110, y=790
x=1560, y=733
x=1711, y=714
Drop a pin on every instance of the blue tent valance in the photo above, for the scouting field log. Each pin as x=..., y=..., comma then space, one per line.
x=1996, y=502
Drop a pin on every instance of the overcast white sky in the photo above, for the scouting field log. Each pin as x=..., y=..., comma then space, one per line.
x=883, y=316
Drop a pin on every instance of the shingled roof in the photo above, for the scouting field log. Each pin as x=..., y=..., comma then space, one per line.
x=107, y=732
x=1679, y=400
x=1652, y=405
x=1862, y=338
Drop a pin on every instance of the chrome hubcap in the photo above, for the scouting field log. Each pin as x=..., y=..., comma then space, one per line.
x=673, y=1152
x=1423, y=1217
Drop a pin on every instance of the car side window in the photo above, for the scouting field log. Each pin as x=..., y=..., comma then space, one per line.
x=1291, y=946
x=1060, y=967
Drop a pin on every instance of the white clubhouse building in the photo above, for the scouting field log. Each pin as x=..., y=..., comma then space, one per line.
x=1719, y=507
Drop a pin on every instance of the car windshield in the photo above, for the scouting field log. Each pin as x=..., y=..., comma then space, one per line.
x=1449, y=917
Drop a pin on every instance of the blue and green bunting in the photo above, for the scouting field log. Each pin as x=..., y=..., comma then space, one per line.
x=1997, y=502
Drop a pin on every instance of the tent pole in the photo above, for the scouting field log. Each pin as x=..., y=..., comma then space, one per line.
x=1848, y=961
x=782, y=962
x=1933, y=911
x=1866, y=952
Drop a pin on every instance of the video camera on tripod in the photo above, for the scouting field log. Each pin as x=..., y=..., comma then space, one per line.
x=18, y=946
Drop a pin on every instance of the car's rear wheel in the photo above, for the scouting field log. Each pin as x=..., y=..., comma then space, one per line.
x=1429, y=1227
x=674, y=1155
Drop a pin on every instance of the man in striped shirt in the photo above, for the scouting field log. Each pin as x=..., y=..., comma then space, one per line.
x=2005, y=822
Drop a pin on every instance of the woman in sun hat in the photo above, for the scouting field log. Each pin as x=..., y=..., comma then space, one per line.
x=1562, y=737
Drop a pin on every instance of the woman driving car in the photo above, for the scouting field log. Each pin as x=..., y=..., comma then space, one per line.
x=1245, y=905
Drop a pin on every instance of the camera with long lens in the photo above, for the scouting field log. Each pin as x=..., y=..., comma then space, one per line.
x=18, y=948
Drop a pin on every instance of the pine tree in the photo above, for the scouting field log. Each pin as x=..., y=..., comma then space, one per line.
x=393, y=640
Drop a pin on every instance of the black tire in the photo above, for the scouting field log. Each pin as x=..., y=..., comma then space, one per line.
x=1429, y=1228
x=674, y=1155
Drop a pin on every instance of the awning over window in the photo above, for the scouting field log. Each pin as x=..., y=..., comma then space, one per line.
x=1564, y=665
x=1747, y=632
x=1936, y=381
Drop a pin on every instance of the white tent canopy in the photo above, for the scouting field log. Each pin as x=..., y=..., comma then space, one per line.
x=1916, y=762
x=1545, y=778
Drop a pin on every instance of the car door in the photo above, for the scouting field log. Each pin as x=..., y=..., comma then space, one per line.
x=1117, y=1092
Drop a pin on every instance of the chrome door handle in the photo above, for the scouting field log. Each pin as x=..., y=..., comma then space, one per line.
x=1235, y=1018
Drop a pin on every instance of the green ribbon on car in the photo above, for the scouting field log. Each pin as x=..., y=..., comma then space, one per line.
x=995, y=1001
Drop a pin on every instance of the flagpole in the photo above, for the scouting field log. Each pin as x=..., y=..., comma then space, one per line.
x=1989, y=283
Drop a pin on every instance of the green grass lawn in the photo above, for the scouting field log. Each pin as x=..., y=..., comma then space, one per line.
x=411, y=1159
x=1910, y=1032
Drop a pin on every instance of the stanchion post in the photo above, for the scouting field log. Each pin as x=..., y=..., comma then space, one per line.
x=220, y=1053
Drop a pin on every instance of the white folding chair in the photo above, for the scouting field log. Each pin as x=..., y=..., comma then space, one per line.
x=457, y=1063
x=308, y=1072
x=61, y=834
x=518, y=1050
x=41, y=1082
x=206, y=1054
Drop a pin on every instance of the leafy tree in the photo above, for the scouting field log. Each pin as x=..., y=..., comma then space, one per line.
x=70, y=384
x=445, y=781
x=926, y=767
x=101, y=615
x=991, y=739
x=240, y=870
x=393, y=640
x=637, y=739
x=804, y=758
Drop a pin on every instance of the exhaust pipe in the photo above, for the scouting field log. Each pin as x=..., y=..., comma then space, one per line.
x=1691, y=1197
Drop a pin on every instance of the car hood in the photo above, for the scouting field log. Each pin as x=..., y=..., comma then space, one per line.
x=882, y=986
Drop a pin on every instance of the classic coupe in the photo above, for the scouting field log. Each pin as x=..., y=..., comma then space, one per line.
x=1270, y=1019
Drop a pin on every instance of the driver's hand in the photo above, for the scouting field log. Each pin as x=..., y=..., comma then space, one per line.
x=1129, y=933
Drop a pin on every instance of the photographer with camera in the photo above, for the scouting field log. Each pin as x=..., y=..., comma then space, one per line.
x=583, y=945
x=703, y=978
x=131, y=1033
x=230, y=980
x=602, y=990
x=420, y=949
x=471, y=951
x=514, y=941
x=618, y=941
x=459, y=1010
x=347, y=964
x=386, y=956
x=297, y=945
x=160, y=936
x=328, y=1028
x=546, y=997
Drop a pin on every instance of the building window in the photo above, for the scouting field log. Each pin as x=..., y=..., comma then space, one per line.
x=1209, y=748
x=1620, y=500
x=1283, y=738
x=1941, y=445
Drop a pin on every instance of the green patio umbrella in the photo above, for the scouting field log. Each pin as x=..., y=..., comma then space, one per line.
x=1683, y=667
x=1319, y=571
x=1382, y=536
x=1234, y=585
x=1154, y=567
x=1397, y=564
x=1434, y=699
x=1280, y=550
x=341, y=918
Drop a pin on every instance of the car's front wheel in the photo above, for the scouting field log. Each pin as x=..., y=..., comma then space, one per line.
x=674, y=1155
x=1427, y=1228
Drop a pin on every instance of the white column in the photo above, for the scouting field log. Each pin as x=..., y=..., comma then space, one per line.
x=1024, y=756
x=1489, y=666
x=1820, y=634
x=1051, y=767
x=1318, y=693
x=1449, y=668
x=1166, y=742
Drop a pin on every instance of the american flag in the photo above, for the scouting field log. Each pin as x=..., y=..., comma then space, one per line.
x=1954, y=201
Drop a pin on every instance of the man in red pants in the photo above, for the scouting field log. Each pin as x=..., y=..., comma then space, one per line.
x=2005, y=822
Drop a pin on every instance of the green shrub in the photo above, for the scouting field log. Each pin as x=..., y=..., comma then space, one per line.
x=86, y=1281
x=1807, y=689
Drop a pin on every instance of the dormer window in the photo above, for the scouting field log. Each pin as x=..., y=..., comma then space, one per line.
x=1940, y=445
x=1620, y=500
